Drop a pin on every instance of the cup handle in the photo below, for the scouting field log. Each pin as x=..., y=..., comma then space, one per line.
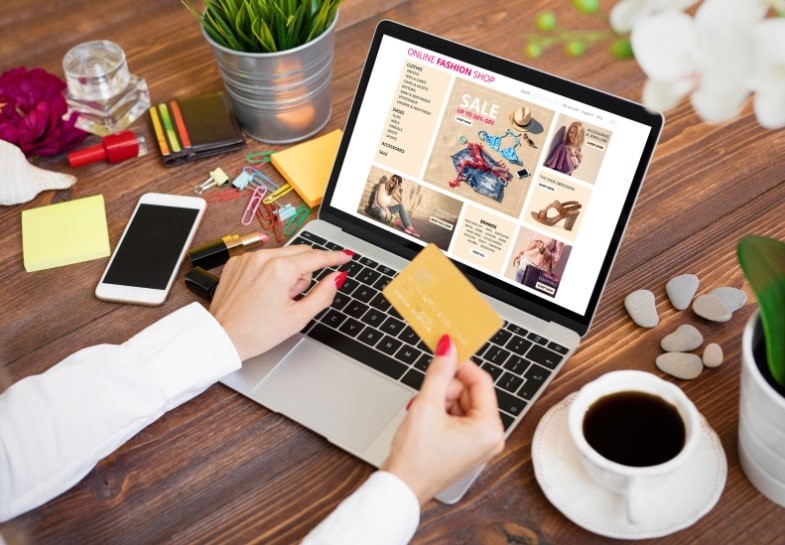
x=636, y=504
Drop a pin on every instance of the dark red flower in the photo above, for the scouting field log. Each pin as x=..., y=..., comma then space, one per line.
x=32, y=106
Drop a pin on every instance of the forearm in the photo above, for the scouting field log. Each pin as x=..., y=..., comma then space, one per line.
x=54, y=427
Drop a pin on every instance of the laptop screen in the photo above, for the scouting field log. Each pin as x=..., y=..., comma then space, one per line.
x=523, y=179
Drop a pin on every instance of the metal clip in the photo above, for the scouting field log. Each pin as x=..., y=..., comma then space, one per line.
x=217, y=178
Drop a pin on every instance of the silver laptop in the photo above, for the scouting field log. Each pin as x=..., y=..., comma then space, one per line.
x=525, y=180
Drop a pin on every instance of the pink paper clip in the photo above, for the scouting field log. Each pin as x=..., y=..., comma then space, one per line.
x=253, y=205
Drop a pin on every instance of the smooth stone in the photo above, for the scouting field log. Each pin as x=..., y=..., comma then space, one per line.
x=641, y=308
x=712, y=308
x=680, y=365
x=681, y=289
x=712, y=355
x=733, y=297
x=685, y=338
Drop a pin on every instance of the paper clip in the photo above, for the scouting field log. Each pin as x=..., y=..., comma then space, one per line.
x=294, y=223
x=225, y=194
x=253, y=205
x=217, y=177
x=251, y=176
x=259, y=156
x=277, y=194
x=269, y=218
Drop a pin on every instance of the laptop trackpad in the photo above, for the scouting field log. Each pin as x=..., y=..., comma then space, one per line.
x=332, y=395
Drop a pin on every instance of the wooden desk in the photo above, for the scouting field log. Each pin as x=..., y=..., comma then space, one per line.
x=222, y=469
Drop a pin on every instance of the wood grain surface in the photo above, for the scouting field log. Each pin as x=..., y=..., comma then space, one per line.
x=221, y=469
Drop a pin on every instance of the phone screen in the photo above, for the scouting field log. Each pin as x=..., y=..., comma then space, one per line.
x=151, y=248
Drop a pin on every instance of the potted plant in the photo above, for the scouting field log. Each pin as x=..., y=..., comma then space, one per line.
x=275, y=58
x=762, y=396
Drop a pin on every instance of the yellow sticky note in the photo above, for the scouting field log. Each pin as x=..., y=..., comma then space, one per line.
x=436, y=298
x=307, y=166
x=64, y=233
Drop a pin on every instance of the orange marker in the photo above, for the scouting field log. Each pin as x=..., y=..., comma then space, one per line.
x=178, y=121
x=159, y=131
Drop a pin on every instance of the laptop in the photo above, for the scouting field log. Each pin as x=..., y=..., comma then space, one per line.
x=526, y=181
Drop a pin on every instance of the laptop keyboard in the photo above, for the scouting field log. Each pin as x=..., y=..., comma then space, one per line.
x=362, y=324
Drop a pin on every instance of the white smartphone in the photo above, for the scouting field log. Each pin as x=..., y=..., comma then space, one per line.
x=146, y=259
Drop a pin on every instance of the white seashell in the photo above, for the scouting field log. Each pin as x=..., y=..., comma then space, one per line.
x=20, y=181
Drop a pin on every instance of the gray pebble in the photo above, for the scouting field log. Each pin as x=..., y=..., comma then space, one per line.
x=685, y=338
x=681, y=289
x=733, y=297
x=641, y=308
x=712, y=355
x=680, y=365
x=712, y=308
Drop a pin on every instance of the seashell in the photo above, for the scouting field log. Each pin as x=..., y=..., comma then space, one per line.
x=20, y=181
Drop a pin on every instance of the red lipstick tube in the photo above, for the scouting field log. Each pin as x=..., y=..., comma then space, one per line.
x=113, y=148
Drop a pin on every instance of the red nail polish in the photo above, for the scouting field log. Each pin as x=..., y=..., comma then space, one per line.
x=340, y=279
x=410, y=402
x=348, y=252
x=444, y=345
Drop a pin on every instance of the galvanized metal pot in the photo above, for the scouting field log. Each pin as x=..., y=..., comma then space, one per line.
x=281, y=97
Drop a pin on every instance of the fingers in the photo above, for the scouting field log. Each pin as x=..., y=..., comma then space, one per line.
x=478, y=387
x=321, y=296
x=440, y=373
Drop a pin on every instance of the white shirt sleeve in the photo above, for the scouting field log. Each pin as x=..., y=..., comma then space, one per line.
x=383, y=511
x=54, y=427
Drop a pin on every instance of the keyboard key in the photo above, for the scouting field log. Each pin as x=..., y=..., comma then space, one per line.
x=373, y=317
x=351, y=327
x=386, y=270
x=518, y=330
x=408, y=335
x=364, y=354
x=364, y=293
x=370, y=336
x=349, y=285
x=413, y=378
x=557, y=348
x=368, y=262
x=518, y=345
x=482, y=349
x=332, y=245
x=501, y=337
x=507, y=420
x=516, y=364
x=544, y=356
x=391, y=325
x=382, y=282
x=535, y=377
x=380, y=301
x=340, y=300
x=355, y=309
x=539, y=339
x=509, y=403
x=312, y=238
x=496, y=355
x=368, y=276
x=388, y=345
x=407, y=354
x=492, y=370
x=352, y=267
x=321, y=274
x=509, y=382
x=423, y=362
x=333, y=318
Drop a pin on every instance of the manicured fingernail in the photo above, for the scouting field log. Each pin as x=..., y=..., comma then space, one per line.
x=410, y=402
x=444, y=345
x=340, y=279
x=348, y=252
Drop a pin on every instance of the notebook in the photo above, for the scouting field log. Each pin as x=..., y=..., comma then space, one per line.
x=526, y=181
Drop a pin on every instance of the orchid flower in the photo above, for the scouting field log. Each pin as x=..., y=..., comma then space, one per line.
x=711, y=56
x=627, y=13
x=768, y=79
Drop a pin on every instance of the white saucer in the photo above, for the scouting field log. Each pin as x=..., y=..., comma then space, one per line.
x=692, y=491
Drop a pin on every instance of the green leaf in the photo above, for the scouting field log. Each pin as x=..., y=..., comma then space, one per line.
x=622, y=49
x=575, y=48
x=586, y=6
x=545, y=21
x=763, y=261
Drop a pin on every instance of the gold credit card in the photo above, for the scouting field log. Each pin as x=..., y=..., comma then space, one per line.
x=436, y=298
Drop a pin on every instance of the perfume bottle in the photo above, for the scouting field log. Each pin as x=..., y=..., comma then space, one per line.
x=101, y=89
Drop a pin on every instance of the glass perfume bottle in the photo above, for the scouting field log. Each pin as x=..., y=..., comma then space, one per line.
x=101, y=89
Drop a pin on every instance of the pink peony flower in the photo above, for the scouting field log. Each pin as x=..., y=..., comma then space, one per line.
x=32, y=106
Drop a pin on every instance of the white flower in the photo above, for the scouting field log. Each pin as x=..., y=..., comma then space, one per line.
x=627, y=13
x=768, y=79
x=711, y=55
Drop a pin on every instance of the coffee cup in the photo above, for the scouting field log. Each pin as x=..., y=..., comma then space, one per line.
x=632, y=431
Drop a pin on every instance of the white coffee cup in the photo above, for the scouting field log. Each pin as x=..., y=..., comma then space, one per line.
x=635, y=483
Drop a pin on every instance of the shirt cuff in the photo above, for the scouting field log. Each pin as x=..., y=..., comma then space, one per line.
x=383, y=511
x=186, y=351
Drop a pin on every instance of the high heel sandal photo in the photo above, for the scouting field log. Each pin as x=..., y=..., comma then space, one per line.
x=567, y=211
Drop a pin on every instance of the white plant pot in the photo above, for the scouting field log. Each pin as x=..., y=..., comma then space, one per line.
x=761, y=422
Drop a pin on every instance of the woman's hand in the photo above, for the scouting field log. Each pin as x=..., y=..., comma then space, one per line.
x=254, y=301
x=453, y=426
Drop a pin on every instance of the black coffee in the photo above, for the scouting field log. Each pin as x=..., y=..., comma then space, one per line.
x=634, y=429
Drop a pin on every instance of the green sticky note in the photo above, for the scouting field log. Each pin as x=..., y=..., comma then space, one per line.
x=64, y=233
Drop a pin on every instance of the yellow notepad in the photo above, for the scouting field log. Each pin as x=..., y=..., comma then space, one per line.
x=307, y=166
x=64, y=233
